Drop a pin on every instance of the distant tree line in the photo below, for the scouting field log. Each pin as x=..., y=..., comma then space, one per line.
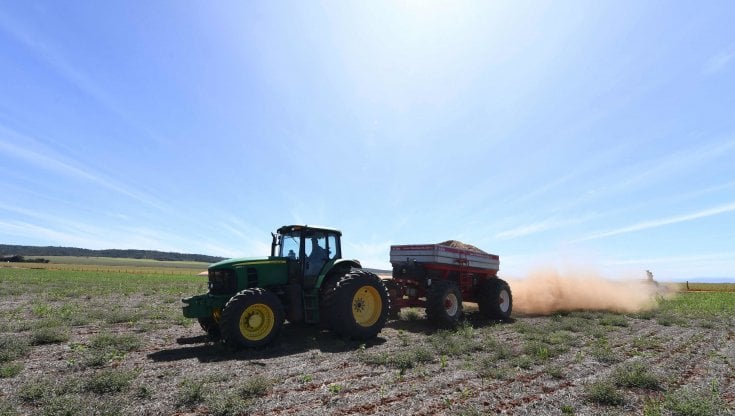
x=15, y=258
x=13, y=250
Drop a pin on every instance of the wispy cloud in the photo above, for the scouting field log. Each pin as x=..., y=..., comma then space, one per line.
x=49, y=160
x=33, y=232
x=662, y=222
x=541, y=226
x=725, y=256
x=46, y=53
x=718, y=62
x=674, y=163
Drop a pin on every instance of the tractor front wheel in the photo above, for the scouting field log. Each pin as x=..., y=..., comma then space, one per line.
x=444, y=303
x=495, y=299
x=357, y=305
x=211, y=327
x=252, y=318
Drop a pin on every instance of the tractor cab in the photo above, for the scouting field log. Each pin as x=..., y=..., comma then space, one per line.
x=310, y=247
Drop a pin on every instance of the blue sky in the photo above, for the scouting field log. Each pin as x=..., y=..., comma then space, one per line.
x=557, y=132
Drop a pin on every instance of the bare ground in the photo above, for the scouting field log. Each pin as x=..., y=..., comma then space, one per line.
x=534, y=365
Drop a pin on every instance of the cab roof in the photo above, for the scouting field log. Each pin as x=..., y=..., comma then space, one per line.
x=290, y=228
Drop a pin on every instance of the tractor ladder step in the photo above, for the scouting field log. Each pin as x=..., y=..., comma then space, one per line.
x=311, y=306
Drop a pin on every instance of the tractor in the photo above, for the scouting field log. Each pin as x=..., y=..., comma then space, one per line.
x=304, y=280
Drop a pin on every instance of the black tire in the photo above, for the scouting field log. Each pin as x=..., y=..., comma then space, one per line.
x=356, y=305
x=444, y=303
x=252, y=318
x=495, y=299
x=211, y=327
x=392, y=288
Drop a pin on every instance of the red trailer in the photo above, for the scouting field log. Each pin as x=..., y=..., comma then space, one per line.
x=439, y=277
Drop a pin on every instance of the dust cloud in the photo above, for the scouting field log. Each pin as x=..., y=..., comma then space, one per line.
x=546, y=291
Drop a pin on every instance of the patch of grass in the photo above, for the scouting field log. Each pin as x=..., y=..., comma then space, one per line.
x=144, y=392
x=554, y=371
x=106, y=347
x=602, y=352
x=635, y=374
x=646, y=314
x=648, y=343
x=524, y=361
x=611, y=319
x=537, y=350
x=227, y=404
x=119, y=342
x=604, y=393
x=523, y=327
x=7, y=409
x=12, y=348
x=49, y=335
x=455, y=343
x=35, y=390
x=652, y=407
x=42, y=310
x=567, y=410
x=11, y=369
x=110, y=381
x=489, y=368
x=72, y=405
x=574, y=324
x=548, y=346
x=191, y=392
x=63, y=405
x=99, y=358
x=690, y=402
x=670, y=319
x=119, y=316
x=255, y=386
x=403, y=359
x=334, y=388
x=700, y=304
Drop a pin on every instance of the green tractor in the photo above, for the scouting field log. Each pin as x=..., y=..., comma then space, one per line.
x=305, y=279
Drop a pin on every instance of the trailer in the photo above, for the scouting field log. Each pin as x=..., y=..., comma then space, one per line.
x=439, y=277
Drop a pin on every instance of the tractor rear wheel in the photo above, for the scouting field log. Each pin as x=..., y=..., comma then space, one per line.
x=252, y=318
x=356, y=306
x=393, y=292
x=495, y=299
x=444, y=303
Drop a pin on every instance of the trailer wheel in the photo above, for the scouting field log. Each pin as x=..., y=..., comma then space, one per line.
x=252, y=318
x=495, y=299
x=444, y=303
x=356, y=306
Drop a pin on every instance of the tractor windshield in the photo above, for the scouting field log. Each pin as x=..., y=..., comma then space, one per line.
x=290, y=243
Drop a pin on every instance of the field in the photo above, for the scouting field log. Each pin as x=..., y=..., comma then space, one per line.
x=110, y=264
x=111, y=342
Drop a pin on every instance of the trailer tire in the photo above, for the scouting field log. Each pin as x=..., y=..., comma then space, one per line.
x=444, y=303
x=495, y=299
x=251, y=319
x=356, y=305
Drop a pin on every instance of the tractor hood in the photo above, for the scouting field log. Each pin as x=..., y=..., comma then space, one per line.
x=245, y=261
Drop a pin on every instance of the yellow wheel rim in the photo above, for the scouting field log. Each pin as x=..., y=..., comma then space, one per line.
x=257, y=321
x=367, y=306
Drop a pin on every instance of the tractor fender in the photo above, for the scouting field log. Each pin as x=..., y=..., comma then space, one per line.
x=335, y=266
